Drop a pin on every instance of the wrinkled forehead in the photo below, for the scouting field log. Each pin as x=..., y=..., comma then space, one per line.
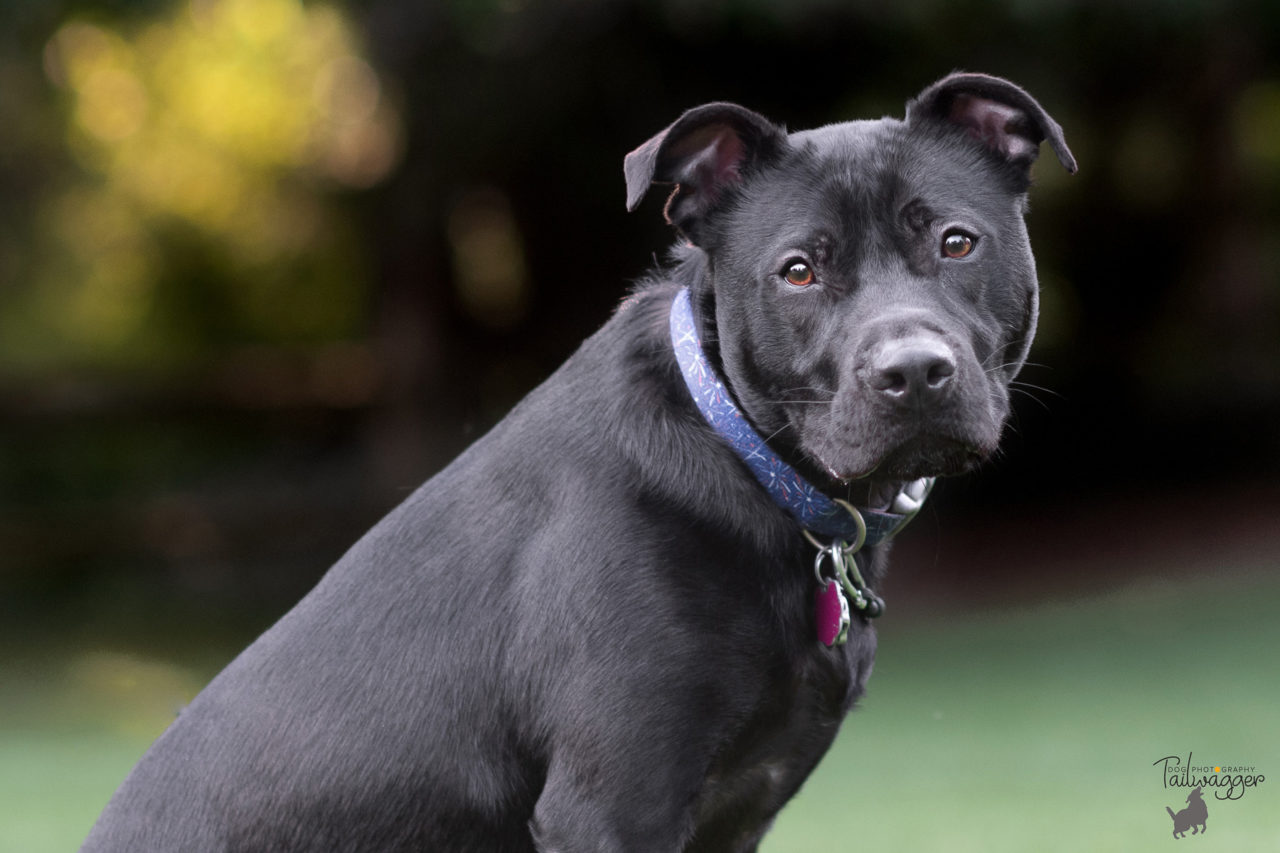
x=889, y=161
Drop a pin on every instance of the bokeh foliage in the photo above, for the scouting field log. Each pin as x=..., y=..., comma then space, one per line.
x=203, y=149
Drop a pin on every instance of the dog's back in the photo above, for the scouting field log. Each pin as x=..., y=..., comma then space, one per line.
x=413, y=699
x=595, y=629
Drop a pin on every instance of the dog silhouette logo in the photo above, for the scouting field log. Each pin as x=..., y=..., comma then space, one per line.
x=1192, y=817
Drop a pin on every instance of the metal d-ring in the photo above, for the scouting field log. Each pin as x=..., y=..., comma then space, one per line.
x=817, y=564
x=851, y=549
x=857, y=543
x=844, y=564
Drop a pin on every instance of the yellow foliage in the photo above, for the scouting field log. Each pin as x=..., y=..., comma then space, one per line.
x=232, y=118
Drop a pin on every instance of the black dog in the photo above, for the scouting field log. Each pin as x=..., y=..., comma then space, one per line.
x=596, y=629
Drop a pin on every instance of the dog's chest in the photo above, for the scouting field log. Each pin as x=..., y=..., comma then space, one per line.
x=775, y=752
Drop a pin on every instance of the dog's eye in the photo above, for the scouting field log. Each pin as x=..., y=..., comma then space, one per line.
x=957, y=244
x=798, y=273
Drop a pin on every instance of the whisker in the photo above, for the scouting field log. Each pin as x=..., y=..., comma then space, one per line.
x=1041, y=403
x=826, y=391
x=804, y=401
x=1028, y=387
x=1008, y=364
x=771, y=436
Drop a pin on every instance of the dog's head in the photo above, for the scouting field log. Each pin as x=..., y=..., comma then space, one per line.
x=870, y=286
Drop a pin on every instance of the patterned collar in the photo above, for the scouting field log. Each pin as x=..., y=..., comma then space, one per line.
x=815, y=511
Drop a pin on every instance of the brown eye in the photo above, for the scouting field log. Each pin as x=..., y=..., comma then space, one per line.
x=798, y=273
x=957, y=244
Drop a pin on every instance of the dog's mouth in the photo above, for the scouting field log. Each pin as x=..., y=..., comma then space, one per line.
x=930, y=456
x=924, y=456
x=861, y=438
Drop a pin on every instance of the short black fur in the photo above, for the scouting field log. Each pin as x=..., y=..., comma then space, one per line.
x=594, y=629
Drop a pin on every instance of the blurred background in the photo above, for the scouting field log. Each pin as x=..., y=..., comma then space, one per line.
x=265, y=265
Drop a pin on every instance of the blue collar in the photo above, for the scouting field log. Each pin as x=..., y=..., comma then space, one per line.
x=815, y=511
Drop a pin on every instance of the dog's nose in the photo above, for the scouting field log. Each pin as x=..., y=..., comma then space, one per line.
x=912, y=369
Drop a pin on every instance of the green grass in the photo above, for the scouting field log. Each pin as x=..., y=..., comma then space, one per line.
x=1032, y=729
x=1036, y=730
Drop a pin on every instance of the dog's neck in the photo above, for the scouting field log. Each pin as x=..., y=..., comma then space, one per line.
x=816, y=511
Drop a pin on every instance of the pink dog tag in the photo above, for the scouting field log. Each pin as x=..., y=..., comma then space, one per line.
x=831, y=612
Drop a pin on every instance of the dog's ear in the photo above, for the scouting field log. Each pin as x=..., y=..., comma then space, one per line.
x=706, y=151
x=997, y=113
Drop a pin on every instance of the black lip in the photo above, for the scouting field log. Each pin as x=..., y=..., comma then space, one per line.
x=921, y=456
x=931, y=457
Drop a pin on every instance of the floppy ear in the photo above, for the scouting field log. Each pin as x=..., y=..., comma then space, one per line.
x=705, y=152
x=997, y=113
